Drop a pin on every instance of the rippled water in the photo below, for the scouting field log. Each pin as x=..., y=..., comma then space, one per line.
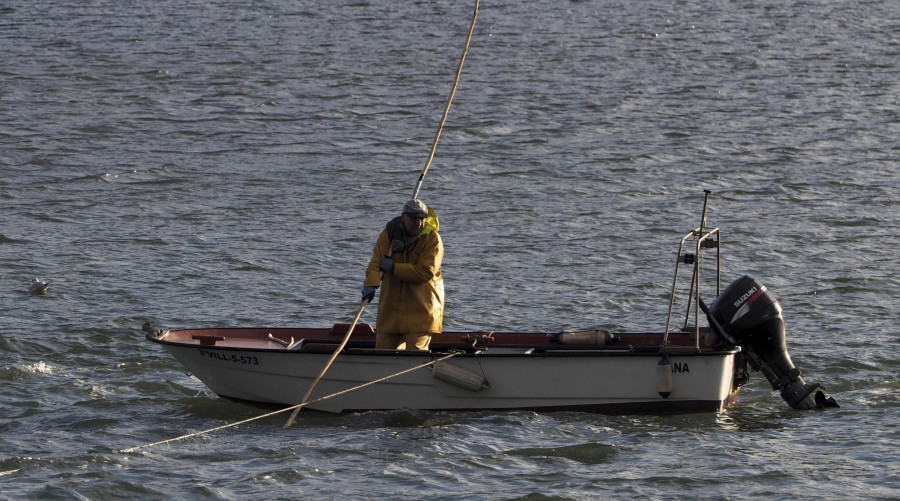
x=227, y=163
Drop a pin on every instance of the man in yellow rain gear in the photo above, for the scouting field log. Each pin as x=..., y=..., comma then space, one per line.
x=406, y=263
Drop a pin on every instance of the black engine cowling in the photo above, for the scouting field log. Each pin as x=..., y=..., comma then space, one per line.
x=746, y=314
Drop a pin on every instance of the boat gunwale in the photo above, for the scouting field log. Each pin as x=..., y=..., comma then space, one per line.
x=527, y=351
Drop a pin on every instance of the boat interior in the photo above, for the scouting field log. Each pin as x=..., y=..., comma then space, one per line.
x=323, y=340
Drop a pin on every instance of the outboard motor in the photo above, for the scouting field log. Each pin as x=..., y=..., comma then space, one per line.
x=747, y=315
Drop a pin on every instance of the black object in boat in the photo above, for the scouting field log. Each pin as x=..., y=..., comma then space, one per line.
x=748, y=315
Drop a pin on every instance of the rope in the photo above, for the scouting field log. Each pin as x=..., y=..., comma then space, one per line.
x=298, y=406
x=437, y=135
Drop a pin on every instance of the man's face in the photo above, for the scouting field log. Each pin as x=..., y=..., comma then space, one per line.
x=413, y=225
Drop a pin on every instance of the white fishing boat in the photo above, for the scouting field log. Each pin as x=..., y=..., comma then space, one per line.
x=691, y=368
x=698, y=366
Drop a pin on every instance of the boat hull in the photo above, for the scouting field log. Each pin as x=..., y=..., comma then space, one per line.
x=600, y=380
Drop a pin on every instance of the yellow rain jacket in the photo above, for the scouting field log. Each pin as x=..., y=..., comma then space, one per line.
x=412, y=297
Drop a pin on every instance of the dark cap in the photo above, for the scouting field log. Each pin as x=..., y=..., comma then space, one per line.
x=415, y=208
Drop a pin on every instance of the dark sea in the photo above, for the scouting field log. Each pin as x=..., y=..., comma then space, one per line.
x=230, y=163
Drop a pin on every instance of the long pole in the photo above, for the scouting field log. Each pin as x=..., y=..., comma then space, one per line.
x=334, y=355
x=293, y=416
x=449, y=100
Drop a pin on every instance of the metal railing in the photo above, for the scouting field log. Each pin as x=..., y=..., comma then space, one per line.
x=702, y=239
